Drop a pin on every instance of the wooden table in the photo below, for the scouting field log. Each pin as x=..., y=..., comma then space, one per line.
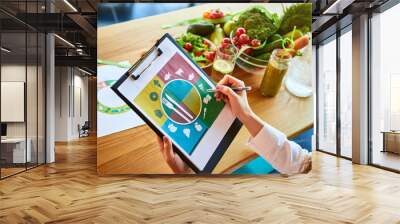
x=391, y=141
x=135, y=151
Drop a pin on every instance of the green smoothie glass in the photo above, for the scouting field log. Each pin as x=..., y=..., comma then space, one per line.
x=278, y=65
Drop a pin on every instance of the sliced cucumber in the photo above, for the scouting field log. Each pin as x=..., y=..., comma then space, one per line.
x=223, y=66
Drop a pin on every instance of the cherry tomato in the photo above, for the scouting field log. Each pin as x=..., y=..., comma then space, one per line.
x=197, y=53
x=188, y=46
x=219, y=13
x=226, y=40
x=244, y=39
x=214, y=14
x=240, y=31
x=255, y=43
x=225, y=45
x=210, y=55
x=235, y=40
x=213, y=54
x=248, y=51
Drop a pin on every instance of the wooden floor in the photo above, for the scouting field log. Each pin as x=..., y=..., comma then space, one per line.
x=387, y=159
x=70, y=191
x=10, y=171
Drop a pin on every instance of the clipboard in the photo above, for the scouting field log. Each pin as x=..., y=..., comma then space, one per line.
x=168, y=90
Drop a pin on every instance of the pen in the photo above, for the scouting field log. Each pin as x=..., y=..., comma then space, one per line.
x=236, y=89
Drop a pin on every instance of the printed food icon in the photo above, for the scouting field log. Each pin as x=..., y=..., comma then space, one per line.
x=179, y=72
x=153, y=96
x=167, y=76
x=206, y=99
x=172, y=128
x=186, y=132
x=198, y=127
x=191, y=76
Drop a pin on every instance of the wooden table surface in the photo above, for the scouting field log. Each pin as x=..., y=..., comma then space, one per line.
x=135, y=151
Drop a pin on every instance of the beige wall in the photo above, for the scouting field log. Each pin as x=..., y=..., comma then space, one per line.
x=71, y=102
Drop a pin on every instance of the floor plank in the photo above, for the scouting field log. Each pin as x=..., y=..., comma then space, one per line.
x=70, y=191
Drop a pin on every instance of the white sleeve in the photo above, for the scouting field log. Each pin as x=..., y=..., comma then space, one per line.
x=285, y=156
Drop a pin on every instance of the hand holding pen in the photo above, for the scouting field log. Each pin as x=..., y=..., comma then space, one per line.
x=236, y=89
x=233, y=92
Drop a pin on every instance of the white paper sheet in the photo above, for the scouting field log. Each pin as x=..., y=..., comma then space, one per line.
x=112, y=122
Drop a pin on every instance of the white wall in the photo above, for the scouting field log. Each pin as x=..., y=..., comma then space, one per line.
x=80, y=110
x=71, y=102
x=61, y=103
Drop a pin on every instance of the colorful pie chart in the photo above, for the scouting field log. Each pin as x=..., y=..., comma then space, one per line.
x=181, y=101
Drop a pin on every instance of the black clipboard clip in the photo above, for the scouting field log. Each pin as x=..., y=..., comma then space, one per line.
x=146, y=56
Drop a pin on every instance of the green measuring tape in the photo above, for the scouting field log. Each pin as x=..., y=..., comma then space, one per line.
x=107, y=109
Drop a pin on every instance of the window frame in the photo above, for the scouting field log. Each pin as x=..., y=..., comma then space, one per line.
x=334, y=37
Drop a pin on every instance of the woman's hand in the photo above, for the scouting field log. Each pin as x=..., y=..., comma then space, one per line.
x=175, y=162
x=238, y=103
x=237, y=100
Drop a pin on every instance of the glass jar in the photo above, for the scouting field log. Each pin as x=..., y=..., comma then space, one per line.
x=298, y=80
x=224, y=60
x=277, y=67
